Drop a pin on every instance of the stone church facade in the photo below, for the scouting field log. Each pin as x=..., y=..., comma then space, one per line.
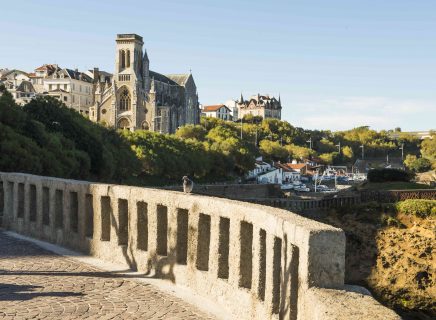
x=138, y=98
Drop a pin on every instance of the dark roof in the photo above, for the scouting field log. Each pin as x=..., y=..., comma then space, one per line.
x=78, y=75
x=161, y=78
x=179, y=78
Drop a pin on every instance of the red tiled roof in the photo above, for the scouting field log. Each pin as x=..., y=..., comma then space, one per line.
x=296, y=165
x=213, y=108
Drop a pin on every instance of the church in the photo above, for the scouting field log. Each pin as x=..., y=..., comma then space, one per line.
x=140, y=99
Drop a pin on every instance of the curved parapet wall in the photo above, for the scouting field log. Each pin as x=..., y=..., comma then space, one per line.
x=258, y=262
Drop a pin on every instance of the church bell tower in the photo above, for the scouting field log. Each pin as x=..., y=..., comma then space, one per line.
x=130, y=82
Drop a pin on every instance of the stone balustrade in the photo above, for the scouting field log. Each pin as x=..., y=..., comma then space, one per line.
x=258, y=262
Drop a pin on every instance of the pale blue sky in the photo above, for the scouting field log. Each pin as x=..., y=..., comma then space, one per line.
x=337, y=63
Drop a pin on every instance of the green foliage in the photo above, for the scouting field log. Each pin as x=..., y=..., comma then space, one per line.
x=388, y=175
x=420, y=165
x=428, y=149
x=410, y=159
x=347, y=153
x=46, y=138
x=299, y=152
x=328, y=158
x=190, y=131
x=272, y=150
x=419, y=207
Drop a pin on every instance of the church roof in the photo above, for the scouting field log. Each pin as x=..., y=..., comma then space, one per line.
x=161, y=78
x=179, y=78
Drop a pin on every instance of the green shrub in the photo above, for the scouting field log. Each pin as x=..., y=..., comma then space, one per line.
x=420, y=207
x=389, y=175
x=420, y=165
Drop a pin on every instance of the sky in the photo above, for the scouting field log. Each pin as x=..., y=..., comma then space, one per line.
x=336, y=64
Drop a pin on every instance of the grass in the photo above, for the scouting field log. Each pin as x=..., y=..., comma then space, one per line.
x=397, y=185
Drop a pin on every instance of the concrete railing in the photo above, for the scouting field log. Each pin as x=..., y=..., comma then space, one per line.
x=256, y=261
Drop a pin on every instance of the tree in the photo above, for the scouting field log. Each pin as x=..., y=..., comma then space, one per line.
x=348, y=153
x=428, y=149
x=299, y=152
x=410, y=159
x=421, y=165
x=190, y=131
x=272, y=150
x=328, y=158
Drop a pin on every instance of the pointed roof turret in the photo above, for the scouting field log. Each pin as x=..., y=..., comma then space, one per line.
x=145, y=56
x=280, y=101
x=241, y=99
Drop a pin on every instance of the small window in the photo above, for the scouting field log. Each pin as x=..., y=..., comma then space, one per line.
x=65, y=99
x=103, y=111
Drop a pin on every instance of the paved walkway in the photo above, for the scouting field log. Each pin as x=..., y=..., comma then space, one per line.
x=37, y=284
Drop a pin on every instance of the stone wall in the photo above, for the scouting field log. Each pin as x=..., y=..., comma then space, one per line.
x=256, y=261
x=236, y=191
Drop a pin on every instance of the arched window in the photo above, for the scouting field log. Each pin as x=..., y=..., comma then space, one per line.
x=122, y=59
x=125, y=99
x=128, y=58
x=123, y=123
x=145, y=126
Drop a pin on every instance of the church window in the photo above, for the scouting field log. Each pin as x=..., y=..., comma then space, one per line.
x=128, y=58
x=145, y=126
x=122, y=59
x=125, y=100
x=123, y=123
x=103, y=111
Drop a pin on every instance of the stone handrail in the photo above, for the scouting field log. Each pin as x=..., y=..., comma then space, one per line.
x=256, y=261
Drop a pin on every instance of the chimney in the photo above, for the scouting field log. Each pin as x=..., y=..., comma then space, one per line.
x=96, y=75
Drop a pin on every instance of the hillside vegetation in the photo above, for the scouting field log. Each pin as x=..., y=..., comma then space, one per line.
x=44, y=137
x=390, y=250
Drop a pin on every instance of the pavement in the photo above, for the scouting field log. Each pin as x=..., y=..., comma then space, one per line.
x=38, y=284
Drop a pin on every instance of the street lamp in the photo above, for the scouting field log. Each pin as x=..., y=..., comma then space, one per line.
x=310, y=142
x=402, y=151
x=241, y=128
x=363, y=151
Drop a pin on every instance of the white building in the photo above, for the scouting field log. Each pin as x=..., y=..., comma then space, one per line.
x=260, y=168
x=232, y=105
x=73, y=88
x=18, y=83
x=220, y=111
x=273, y=176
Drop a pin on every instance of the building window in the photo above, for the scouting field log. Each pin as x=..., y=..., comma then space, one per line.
x=65, y=86
x=123, y=123
x=50, y=87
x=103, y=111
x=125, y=100
x=65, y=99
x=128, y=58
x=145, y=126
